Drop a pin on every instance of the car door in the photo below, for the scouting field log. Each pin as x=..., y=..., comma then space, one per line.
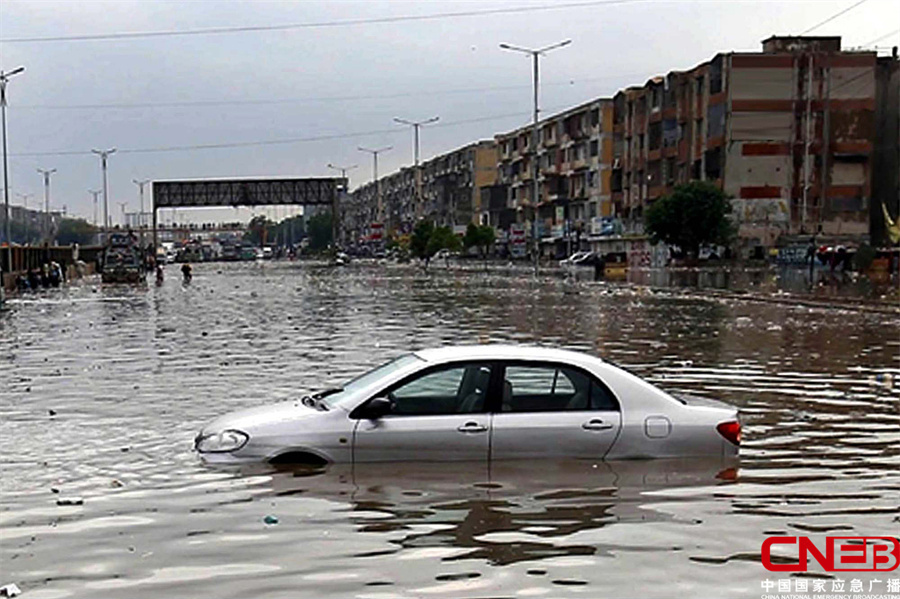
x=435, y=415
x=552, y=410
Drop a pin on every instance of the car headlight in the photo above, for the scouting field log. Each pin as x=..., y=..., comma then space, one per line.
x=221, y=442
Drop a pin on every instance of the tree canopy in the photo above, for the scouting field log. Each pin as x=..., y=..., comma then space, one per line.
x=427, y=240
x=481, y=237
x=319, y=229
x=695, y=214
x=75, y=230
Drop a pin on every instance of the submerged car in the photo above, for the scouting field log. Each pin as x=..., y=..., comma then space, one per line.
x=479, y=403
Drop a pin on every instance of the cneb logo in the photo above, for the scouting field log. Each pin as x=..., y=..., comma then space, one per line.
x=842, y=554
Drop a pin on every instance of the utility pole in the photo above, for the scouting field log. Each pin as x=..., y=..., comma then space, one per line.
x=535, y=198
x=807, y=142
x=95, y=193
x=47, y=227
x=104, y=154
x=826, y=144
x=4, y=79
x=140, y=183
x=379, y=209
x=24, y=197
x=415, y=125
x=345, y=182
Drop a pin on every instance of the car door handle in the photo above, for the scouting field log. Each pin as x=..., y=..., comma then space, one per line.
x=472, y=427
x=596, y=425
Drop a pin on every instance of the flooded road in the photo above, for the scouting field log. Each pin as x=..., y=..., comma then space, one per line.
x=103, y=389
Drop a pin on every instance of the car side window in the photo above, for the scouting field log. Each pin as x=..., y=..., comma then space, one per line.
x=453, y=390
x=551, y=388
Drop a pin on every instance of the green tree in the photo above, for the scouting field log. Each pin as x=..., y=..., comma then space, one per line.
x=418, y=243
x=259, y=230
x=427, y=240
x=481, y=237
x=695, y=214
x=319, y=229
x=75, y=230
x=443, y=238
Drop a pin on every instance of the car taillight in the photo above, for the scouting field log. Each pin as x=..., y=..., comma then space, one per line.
x=731, y=431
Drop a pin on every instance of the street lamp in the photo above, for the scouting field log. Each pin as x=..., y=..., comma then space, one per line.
x=415, y=125
x=4, y=79
x=104, y=154
x=140, y=183
x=535, y=55
x=46, y=173
x=375, y=153
x=95, y=193
x=343, y=170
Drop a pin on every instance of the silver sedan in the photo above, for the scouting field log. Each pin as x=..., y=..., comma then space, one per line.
x=479, y=403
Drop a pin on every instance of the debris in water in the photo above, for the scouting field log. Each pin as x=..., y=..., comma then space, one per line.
x=70, y=501
x=10, y=590
x=270, y=519
x=52, y=412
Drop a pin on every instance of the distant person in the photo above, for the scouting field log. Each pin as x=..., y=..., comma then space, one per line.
x=159, y=274
x=186, y=272
x=34, y=278
x=55, y=274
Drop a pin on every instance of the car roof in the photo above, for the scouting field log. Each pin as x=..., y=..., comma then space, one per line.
x=502, y=352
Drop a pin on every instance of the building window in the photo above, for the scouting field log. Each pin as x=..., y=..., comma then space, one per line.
x=595, y=147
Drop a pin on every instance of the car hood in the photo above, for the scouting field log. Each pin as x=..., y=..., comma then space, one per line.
x=267, y=418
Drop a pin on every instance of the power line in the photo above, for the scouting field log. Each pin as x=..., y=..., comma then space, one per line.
x=313, y=25
x=833, y=17
x=257, y=102
x=878, y=39
x=271, y=142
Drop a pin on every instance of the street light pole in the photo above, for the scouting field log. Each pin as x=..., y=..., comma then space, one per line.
x=104, y=154
x=46, y=174
x=346, y=182
x=415, y=125
x=343, y=170
x=24, y=197
x=535, y=55
x=140, y=183
x=95, y=193
x=4, y=78
x=375, y=153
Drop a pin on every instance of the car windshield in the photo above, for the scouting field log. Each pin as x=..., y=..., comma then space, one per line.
x=368, y=378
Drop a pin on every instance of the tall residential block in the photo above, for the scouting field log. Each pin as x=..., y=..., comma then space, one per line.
x=574, y=157
x=789, y=133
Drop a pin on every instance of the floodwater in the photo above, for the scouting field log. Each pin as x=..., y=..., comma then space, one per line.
x=103, y=389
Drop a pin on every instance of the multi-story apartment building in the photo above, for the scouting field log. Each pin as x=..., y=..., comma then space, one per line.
x=450, y=193
x=452, y=183
x=575, y=157
x=788, y=133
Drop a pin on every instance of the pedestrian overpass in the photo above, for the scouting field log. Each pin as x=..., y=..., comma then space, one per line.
x=249, y=192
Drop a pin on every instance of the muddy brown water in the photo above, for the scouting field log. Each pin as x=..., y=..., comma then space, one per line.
x=103, y=389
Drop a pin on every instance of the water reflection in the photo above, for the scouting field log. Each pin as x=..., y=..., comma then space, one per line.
x=502, y=513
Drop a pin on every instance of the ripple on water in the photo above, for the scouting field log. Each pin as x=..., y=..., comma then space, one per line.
x=105, y=387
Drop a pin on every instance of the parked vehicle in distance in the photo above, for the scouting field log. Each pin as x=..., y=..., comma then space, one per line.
x=478, y=403
x=123, y=260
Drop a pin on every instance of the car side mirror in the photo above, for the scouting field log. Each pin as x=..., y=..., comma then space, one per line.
x=375, y=408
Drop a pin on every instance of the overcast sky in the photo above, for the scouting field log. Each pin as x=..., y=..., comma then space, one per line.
x=343, y=82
